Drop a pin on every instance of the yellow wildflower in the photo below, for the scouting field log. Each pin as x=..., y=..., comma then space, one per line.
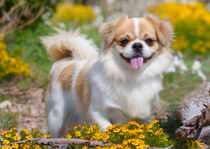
x=25, y=131
x=29, y=137
x=4, y=132
x=16, y=138
x=68, y=136
x=6, y=142
x=37, y=147
x=199, y=144
x=78, y=133
x=26, y=146
x=45, y=136
x=13, y=129
x=84, y=147
x=8, y=135
x=15, y=146
x=6, y=147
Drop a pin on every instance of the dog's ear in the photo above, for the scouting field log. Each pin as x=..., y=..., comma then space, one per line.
x=107, y=30
x=164, y=30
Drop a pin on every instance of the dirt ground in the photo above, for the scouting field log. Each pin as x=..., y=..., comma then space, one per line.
x=30, y=106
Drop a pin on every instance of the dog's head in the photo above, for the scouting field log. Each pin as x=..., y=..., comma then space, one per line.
x=136, y=41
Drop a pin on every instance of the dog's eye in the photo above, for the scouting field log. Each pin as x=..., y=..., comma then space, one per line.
x=124, y=42
x=149, y=41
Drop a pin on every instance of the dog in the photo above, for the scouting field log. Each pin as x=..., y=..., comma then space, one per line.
x=117, y=84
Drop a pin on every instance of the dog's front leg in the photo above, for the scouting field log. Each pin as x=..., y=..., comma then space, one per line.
x=100, y=118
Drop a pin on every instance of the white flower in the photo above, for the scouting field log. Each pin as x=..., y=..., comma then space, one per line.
x=196, y=69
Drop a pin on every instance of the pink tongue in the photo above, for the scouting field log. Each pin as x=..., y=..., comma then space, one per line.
x=136, y=63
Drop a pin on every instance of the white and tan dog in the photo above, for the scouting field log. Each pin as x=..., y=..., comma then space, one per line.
x=117, y=85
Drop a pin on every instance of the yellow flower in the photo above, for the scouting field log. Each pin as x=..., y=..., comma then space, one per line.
x=77, y=13
x=68, y=136
x=26, y=146
x=8, y=135
x=141, y=136
x=17, y=138
x=84, y=147
x=45, y=136
x=25, y=131
x=29, y=137
x=6, y=142
x=4, y=132
x=6, y=147
x=155, y=121
x=106, y=137
x=78, y=133
x=113, y=147
x=13, y=129
x=15, y=146
x=117, y=130
x=1, y=37
x=199, y=144
x=149, y=126
x=37, y=147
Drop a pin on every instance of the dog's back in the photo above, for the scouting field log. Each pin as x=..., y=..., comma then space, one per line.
x=68, y=88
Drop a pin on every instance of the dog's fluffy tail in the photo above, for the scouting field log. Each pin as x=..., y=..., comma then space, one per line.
x=69, y=44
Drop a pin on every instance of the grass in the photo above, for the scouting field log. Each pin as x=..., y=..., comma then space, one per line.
x=177, y=85
x=8, y=120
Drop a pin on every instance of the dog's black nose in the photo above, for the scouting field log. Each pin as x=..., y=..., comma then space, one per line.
x=137, y=47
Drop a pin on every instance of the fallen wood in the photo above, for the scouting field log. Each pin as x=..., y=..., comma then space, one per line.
x=55, y=142
x=204, y=135
x=194, y=115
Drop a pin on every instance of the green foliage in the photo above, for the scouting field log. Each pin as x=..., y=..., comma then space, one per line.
x=177, y=85
x=8, y=120
x=92, y=33
x=195, y=34
x=25, y=84
x=34, y=53
x=32, y=3
x=170, y=124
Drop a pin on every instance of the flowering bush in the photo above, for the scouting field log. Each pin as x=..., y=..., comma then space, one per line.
x=130, y=136
x=77, y=13
x=11, y=136
x=11, y=66
x=192, y=25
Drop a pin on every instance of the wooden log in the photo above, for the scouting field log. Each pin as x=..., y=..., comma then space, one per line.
x=194, y=116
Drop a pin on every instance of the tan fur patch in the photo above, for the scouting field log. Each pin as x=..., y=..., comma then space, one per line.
x=83, y=88
x=146, y=30
x=125, y=30
x=65, y=77
x=56, y=53
x=164, y=30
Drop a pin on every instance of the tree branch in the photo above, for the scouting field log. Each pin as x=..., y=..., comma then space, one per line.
x=15, y=7
x=54, y=142
x=41, y=10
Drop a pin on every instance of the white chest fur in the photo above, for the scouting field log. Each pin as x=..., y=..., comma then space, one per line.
x=133, y=99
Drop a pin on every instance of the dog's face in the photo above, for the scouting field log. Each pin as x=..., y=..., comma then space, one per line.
x=136, y=41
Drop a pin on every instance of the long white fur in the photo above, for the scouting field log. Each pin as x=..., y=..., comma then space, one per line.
x=118, y=94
